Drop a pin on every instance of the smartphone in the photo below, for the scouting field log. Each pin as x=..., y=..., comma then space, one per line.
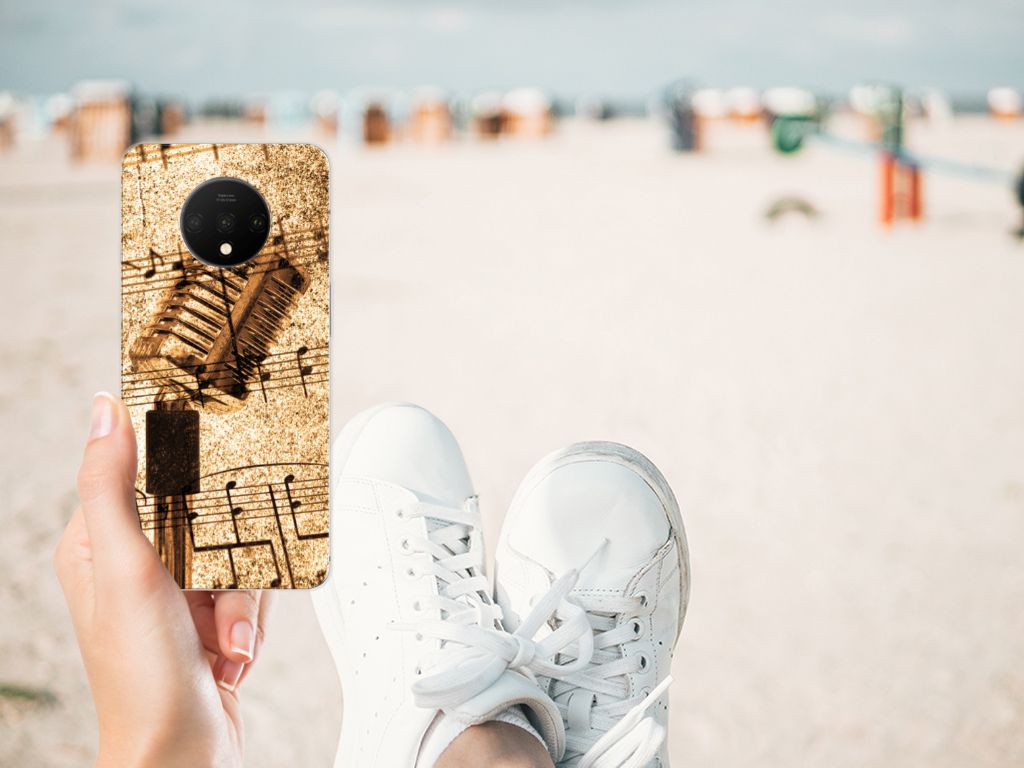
x=225, y=323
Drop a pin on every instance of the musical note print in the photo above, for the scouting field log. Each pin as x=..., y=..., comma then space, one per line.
x=304, y=370
x=272, y=514
x=277, y=375
x=149, y=271
x=142, y=276
x=235, y=362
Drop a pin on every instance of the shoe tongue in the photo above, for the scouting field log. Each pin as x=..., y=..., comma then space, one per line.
x=512, y=689
x=434, y=524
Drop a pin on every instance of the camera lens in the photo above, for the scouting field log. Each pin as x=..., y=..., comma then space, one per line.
x=225, y=223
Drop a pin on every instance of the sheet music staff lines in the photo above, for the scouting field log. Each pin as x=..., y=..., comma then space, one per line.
x=278, y=245
x=283, y=370
x=274, y=362
x=236, y=511
x=221, y=512
x=176, y=268
x=216, y=494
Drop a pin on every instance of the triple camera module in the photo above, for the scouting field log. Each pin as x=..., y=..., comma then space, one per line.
x=225, y=222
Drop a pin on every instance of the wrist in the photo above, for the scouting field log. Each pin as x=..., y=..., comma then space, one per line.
x=151, y=752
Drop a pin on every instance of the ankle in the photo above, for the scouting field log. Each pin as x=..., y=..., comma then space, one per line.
x=496, y=745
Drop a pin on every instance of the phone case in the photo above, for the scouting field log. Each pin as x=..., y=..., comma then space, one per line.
x=225, y=369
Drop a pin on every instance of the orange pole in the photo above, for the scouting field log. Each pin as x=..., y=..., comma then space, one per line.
x=916, y=208
x=886, y=188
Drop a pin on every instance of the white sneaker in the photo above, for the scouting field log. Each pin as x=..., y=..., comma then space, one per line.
x=407, y=611
x=606, y=509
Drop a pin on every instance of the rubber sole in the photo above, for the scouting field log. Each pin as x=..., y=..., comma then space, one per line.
x=328, y=606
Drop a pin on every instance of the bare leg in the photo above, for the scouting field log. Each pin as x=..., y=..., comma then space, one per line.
x=496, y=745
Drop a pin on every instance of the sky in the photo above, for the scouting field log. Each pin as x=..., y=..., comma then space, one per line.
x=620, y=49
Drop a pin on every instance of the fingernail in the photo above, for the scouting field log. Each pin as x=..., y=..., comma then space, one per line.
x=243, y=638
x=102, y=415
x=230, y=671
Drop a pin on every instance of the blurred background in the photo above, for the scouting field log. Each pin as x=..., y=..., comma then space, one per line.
x=777, y=247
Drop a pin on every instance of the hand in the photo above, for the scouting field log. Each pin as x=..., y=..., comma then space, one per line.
x=164, y=665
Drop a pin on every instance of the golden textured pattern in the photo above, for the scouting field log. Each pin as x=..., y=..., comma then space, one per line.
x=236, y=401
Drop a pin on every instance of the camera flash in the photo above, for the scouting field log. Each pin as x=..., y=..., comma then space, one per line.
x=225, y=249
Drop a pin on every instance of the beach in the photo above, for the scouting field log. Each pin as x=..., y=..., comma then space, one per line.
x=837, y=406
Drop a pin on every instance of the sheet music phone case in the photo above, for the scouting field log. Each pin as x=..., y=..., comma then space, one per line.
x=224, y=365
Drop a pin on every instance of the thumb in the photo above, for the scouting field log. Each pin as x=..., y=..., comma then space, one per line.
x=106, y=488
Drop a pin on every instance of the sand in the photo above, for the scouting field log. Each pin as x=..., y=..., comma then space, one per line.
x=839, y=409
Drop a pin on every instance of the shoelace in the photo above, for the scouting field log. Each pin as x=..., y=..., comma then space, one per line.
x=633, y=741
x=605, y=727
x=475, y=651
